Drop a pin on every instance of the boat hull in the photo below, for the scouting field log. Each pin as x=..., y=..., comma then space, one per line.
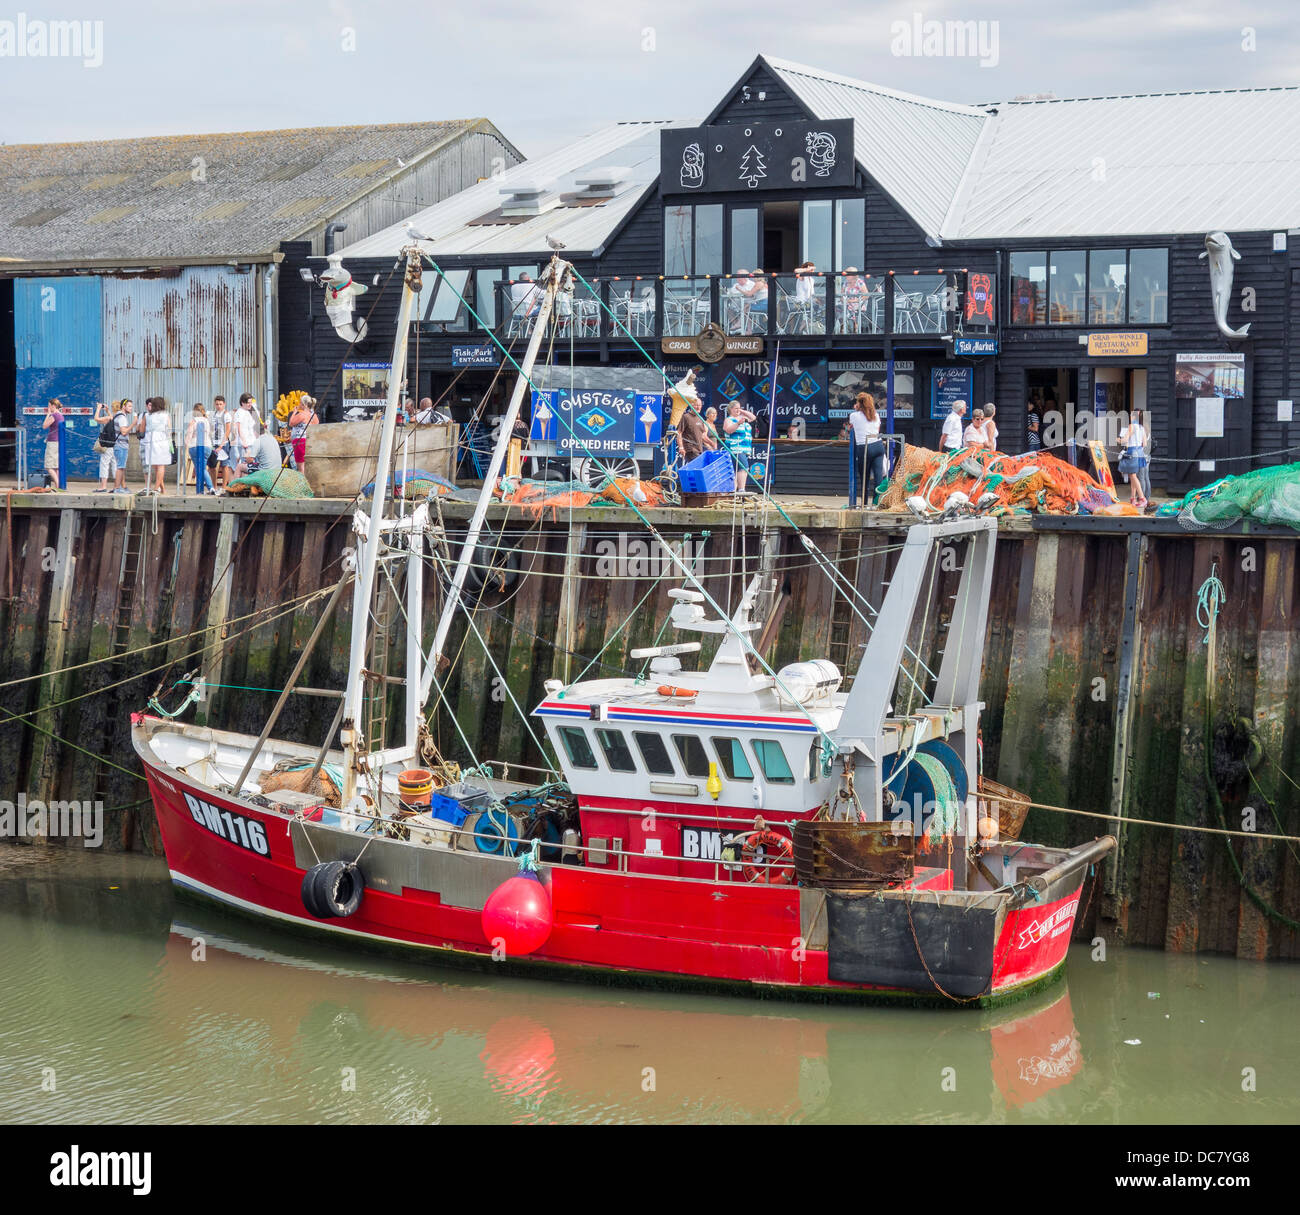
x=620, y=927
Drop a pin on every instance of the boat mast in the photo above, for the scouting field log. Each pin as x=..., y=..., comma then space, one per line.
x=556, y=272
x=368, y=528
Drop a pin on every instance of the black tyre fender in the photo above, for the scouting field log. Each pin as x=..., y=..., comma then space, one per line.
x=492, y=568
x=333, y=889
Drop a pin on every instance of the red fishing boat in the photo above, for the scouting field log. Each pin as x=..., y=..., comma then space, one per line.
x=736, y=826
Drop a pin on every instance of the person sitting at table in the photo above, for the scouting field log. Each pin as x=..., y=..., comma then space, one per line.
x=753, y=292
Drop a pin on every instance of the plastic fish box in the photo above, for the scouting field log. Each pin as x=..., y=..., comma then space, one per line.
x=712, y=472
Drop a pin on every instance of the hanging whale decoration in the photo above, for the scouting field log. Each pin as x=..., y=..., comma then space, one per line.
x=1218, y=248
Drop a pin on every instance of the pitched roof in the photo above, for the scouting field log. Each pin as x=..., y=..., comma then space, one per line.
x=470, y=222
x=1130, y=166
x=915, y=147
x=198, y=196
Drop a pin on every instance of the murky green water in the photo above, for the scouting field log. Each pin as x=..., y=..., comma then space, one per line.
x=101, y=982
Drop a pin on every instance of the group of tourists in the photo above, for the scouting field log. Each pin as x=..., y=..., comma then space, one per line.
x=698, y=430
x=222, y=445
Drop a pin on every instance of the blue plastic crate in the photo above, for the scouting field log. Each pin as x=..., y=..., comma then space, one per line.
x=447, y=809
x=712, y=472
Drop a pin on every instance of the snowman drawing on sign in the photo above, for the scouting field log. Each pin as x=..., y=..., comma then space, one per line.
x=821, y=152
x=692, y=167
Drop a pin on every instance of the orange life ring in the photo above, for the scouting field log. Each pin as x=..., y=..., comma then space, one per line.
x=668, y=690
x=756, y=866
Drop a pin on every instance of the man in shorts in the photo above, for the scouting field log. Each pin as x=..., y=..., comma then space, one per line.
x=123, y=420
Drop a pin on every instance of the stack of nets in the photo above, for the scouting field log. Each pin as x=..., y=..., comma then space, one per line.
x=1035, y=483
x=272, y=483
x=1269, y=495
x=320, y=786
x=540, y=497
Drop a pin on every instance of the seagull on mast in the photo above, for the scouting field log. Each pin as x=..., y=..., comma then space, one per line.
x=557, y=245
x=414, y=233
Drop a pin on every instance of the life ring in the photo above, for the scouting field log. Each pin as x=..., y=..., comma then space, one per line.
x=333, y=890
x=758, y=866
x=668, y=690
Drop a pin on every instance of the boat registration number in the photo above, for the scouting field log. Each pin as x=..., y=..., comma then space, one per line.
x=233, y=828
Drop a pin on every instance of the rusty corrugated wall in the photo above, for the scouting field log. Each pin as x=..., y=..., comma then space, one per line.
x=185, y=338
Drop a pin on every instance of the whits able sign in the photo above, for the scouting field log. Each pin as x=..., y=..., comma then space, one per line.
x=744, y=156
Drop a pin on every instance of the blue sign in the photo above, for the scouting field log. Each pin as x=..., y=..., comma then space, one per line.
x=474, y=356
x=649, y=417
x=585, y=422
x=948, y=386
x=975, y=345
x=801, y=387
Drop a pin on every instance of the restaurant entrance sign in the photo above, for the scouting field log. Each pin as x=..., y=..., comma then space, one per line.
x=1111, y=345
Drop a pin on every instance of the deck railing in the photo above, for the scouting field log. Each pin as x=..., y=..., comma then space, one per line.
x=812, y=304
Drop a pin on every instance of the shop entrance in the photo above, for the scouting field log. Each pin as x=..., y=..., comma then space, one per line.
x=780, y=237
x=1053, y=393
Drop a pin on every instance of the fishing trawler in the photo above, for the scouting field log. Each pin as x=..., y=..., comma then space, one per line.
x=731, y=825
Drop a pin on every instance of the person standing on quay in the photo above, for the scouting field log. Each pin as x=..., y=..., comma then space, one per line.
x=951, y=439
x=155, y=444
x=738, y=435
x=867, y=448
x=104, y=443
x=52, y=424
x=301, y=418
x=198, y=438
x=123, y=421
x=245, y=424
x=222, y=436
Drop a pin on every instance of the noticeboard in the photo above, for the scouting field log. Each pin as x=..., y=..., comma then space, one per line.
x=948, y=387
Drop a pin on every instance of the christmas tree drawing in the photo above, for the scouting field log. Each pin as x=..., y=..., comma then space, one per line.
x=752, y=166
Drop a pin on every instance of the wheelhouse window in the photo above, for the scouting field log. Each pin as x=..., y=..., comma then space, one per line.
x=772, y=762
x=820, y=765
x=617, y=753
x=694, y=759
x=732, y=757
x=577, y=747
x=654, y=753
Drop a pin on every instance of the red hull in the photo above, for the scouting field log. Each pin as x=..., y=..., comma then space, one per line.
x=615, y=924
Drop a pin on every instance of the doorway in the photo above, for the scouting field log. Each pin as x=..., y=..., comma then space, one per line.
x=780, y=237
x=1055, y=391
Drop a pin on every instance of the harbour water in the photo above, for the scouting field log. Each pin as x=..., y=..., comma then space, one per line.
x=121, y=1003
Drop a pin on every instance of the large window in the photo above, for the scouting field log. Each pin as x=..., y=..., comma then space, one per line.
x=1148, y=286
x=440, y=299
x=693, y=239
x=485, y=296
x=744, y=239
x=817, y=234
x=1093, y=287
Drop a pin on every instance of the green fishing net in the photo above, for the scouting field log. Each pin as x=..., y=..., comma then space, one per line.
x=276, y=483
x=1268, y=495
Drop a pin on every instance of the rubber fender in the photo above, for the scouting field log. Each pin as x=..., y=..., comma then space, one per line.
x=333, y=890
x=492, y=568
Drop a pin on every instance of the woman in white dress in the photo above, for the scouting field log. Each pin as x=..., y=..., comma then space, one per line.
x=155, y=444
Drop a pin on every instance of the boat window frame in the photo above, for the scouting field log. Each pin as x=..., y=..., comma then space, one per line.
x=737, y=749
x=562, y=733
x=762, y=767
x=638, y=735
x=682, y=755
x=622, y=742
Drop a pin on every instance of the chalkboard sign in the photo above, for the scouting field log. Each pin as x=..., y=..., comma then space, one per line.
x=757, y=156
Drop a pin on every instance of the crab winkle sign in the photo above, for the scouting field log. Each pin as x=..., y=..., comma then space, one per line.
x=757, y=156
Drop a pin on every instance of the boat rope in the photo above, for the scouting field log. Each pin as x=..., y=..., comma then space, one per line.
x=1152, y=822
x=13, y=717
x=196, y=693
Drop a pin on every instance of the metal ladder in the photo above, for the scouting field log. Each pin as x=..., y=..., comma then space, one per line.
x=848, y=558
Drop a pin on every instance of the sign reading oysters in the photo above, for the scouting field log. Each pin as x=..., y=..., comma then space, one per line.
x=586, y=421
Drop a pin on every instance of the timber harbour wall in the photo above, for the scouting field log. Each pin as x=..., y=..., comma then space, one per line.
x=1095, y=674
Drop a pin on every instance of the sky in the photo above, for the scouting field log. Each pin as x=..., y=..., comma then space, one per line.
x=549, y=71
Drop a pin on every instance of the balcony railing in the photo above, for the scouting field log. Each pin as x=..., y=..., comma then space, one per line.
x=818, y=304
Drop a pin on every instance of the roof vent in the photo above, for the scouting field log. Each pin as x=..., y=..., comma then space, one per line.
x=604, y=182
x=527, y=198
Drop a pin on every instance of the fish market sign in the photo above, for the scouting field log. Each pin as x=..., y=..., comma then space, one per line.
x=757, y=156
x=473, y=356
x=585, y=422
x=964, y=346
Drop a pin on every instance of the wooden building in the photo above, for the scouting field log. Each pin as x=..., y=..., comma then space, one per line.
x=1033, y=249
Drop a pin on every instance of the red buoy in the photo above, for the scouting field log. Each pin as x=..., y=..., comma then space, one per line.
x=518, y=914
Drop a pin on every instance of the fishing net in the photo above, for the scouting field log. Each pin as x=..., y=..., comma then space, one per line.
x=1269, y=495
x=943, y=822
x=272, y=483
x=538, y=498
x=1035, y=483
x=302, y=781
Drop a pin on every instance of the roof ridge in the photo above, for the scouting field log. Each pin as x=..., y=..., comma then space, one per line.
x=804, y=69
x=1264, y=88
x=365, y=126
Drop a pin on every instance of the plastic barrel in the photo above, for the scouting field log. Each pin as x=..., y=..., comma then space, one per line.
x=415, y=786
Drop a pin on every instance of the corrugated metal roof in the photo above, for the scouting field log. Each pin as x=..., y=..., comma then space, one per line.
x=915, y=147
x=1128, y=166
x=632, y=145
x=159, y=186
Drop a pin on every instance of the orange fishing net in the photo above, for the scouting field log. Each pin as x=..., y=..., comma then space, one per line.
x=1032, y=483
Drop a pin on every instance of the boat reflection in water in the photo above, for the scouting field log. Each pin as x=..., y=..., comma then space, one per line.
x=463, y=1049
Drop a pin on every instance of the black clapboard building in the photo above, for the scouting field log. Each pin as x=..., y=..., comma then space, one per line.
x=1061, y=251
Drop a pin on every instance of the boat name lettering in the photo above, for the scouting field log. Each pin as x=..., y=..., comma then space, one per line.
x=234, y=828
x=1055, y=924
x=702, y=844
